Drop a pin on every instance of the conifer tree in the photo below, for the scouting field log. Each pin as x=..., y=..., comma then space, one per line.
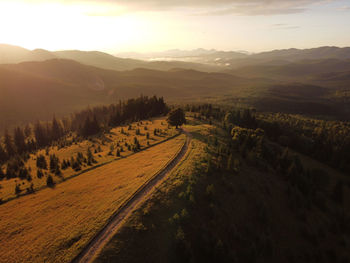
x=19, y=140
x=9, y=146
x=3, y=154
x=57, y=131
x=2, y=174
x=40, y=134
x=49, y=181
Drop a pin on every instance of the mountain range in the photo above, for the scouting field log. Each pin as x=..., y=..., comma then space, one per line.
x=38, y=84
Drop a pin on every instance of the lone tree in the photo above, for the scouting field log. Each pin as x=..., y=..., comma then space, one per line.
x=176, y=117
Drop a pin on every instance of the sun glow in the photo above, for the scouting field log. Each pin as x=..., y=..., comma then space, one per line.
x=56, y=26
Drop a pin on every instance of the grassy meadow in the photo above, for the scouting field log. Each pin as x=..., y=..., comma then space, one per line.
x=104, y=149
x=53, y=225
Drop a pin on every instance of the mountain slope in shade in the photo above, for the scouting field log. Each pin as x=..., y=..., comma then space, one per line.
x=295, y=70
x=25, y=97
x=294, y=54
x=37, y=90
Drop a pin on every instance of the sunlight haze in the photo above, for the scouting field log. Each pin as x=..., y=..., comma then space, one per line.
x=117, y=26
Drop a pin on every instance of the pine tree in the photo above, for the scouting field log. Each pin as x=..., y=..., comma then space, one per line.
x=9, y=146
x=19, y=140
x=90, y=157
x=50, y=182
x=57, y=131
x=2, y=174
x=54, y=163
x=39, y=173
x=40, y=134
x=58, y=171
x=41, y=162
x=27, y=131
x=17, y=189
x=3, y=155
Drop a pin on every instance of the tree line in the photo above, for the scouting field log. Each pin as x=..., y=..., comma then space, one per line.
x=84, y=123
x=326, y=141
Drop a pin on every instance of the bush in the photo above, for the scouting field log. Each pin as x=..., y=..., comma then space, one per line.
x=17, y=189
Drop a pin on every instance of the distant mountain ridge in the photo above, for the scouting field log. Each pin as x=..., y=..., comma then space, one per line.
x=236, y=59
x=48, y=83
x=13, y=54
x=39, y=89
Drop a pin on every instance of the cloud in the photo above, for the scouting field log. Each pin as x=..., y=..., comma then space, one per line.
x=283, y=27
x=264, y=7
x=344, y=8
x=211, y=7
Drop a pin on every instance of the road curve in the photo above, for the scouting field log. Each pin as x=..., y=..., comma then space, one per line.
x=102, y=238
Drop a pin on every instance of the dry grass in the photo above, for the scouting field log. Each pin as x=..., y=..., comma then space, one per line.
x=54, y=224
x=7, y=187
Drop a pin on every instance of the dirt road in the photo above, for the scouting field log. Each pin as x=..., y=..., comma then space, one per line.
x=102, y=238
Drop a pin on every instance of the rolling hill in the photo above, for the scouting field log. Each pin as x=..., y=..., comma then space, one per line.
x=296, y=71
x=37, y=90
x=13, y=54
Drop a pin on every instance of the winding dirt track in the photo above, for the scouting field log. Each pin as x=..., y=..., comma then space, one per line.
x=102, y=238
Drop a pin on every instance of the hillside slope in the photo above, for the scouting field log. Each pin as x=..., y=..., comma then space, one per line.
x=244, y=210
x=13, y=54
x=37, y=90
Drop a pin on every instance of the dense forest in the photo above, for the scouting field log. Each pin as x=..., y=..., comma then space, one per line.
x=326, y=141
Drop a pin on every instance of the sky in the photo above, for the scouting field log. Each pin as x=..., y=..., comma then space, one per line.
x=155, y=25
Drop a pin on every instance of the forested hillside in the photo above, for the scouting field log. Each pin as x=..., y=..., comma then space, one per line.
x=247, y=194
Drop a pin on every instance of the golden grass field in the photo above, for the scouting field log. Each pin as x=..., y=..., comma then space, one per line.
x=52, y=225
x=7, y=187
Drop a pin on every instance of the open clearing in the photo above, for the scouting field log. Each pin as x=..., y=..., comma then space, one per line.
x=54, y=224
x=105, y=146
x=100, y=240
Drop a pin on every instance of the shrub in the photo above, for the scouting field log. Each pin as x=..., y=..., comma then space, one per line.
x=30, y=189
x=17, y=189
x=90, y=157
